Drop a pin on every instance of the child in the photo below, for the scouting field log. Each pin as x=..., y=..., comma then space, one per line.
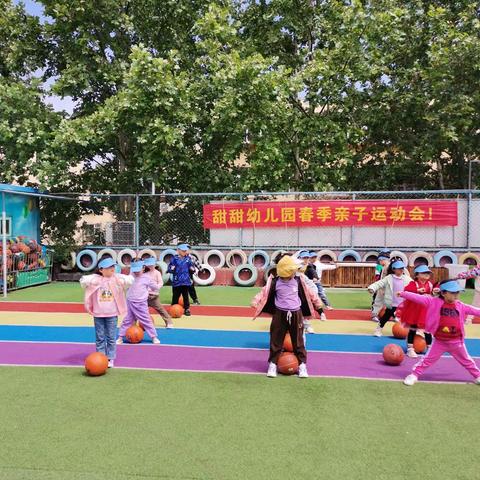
x=474, y=273
x=311, y=276
x=445, y=319
x=380, y=271
x=181, y=266
x=392, y=284
x=413, y=314
x=137, y=303
x=288, y=299
x=154, y=299
x=191, y=289
x=105, y=300
x=319, y=268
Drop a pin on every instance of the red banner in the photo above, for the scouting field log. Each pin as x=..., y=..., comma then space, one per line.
x=335, y=213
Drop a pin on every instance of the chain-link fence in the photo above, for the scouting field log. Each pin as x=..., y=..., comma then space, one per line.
x=163, y=220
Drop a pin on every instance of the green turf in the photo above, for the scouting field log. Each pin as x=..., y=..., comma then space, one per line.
x=59, y=424
x=71, y=292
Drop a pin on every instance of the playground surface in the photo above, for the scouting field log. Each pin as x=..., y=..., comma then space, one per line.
x=199, y=406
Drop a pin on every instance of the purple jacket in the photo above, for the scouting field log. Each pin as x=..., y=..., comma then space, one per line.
x=434, y=304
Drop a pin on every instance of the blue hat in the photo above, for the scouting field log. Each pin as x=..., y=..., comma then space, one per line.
x=136, y=267
x=150, y=261
x=422, y=269
x=183, y=246
x=451, y=286
x=313, y=254
x=382, y=257
x=304, y=254
x=398, y=264
x=106, y=262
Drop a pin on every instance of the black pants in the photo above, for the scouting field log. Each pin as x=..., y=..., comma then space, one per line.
x=283, y=322
x=191, y=289
x=389, y=313
x=183, y=291
x=413, y=331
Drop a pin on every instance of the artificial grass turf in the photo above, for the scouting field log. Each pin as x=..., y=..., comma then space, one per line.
x=61, y=424
x=235, y=296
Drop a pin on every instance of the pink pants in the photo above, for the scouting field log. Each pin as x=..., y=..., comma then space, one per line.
x=456, y=348
x=138, y=311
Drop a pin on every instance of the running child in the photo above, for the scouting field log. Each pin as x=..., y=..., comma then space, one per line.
x=391, y=284
x=383, y=261
x=474, y=273
x=287, y=298
x=154, y=298
x=105, y=300
x=413, y=314
x=137, y=303
x=445, y=319
x=319, y=268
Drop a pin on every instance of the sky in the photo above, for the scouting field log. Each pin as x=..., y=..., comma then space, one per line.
x=58, y=103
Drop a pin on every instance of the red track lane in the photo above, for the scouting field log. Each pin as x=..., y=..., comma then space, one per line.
x=214, y=310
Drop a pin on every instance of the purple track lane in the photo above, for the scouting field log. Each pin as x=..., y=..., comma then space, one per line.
x=325, y=364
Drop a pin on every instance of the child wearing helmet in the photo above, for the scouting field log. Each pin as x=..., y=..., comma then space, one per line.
x=392, y=284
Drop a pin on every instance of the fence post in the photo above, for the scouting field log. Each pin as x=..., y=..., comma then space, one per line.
x=352, y=228
x=469, y=217
x=137, y=222
x=4, y=245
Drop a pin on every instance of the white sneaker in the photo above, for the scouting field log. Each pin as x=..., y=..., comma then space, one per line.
x=310, y=329
x=477, y=380
x=272, y=370
x=411, y=353
x=119, y=341
x=378, y=332
x=329, y=307
x=156, y=340
x=410, y=380
x=302, y=371
x=375, y=319
x=323, y=317
x=110, y=364
x=169, y=325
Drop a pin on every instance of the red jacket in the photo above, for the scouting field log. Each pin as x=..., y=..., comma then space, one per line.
x=414, y=313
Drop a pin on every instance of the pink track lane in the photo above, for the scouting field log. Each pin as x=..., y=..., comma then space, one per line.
x=328, y=364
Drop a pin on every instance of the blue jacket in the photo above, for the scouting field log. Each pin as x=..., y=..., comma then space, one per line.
x=181, y=272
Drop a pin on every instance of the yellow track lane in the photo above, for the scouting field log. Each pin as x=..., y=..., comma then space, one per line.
x=204, y=322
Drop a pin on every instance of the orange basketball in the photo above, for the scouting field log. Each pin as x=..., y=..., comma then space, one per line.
x=180, y=300
x=393, y=354
x=176, y=311
x=399, y=331
x=96, y=364
x=134, y=334
x=287, y=363
x=419, y=344
x=287, y=343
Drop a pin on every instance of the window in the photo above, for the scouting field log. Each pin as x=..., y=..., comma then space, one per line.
x=8, y=224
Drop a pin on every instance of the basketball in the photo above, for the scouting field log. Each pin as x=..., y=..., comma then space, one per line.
x=287, y=363
x=287, y=343
x=419, y=344
x=134, y=334
x=393, y=354
x=96, y=364
x=176, y=311
x=180, y=300
x=399, y=331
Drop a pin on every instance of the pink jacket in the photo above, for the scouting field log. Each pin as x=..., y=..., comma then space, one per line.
x=261, y=298
x=434, y=304
x=117, y=284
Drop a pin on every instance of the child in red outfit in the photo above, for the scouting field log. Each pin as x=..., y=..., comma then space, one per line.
x=413, y=314
x=445, y=319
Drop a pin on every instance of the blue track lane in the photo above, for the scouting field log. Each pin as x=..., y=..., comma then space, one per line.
x=213, y=338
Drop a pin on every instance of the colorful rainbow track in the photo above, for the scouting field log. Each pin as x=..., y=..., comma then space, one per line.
x=214, y=339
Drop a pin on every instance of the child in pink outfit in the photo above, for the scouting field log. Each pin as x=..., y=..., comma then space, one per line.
x=445, y=319
x=105, y=300
x=137, y=303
